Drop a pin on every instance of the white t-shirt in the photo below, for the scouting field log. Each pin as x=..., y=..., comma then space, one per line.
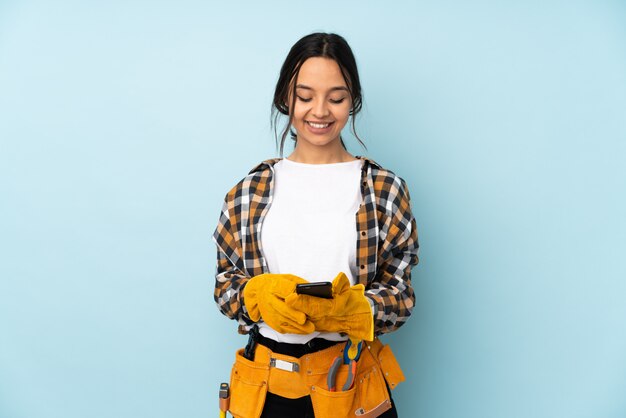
x=310, y=227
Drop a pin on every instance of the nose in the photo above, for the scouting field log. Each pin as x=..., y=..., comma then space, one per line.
x=320, y=109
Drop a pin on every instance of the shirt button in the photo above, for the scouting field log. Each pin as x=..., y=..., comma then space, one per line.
x=363, y=233
x=362, y=266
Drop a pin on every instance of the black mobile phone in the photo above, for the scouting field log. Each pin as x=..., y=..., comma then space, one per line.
x=318, y=289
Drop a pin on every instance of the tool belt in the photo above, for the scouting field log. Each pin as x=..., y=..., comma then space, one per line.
x=293, y=377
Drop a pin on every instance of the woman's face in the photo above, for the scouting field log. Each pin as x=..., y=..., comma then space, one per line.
x=323, y=103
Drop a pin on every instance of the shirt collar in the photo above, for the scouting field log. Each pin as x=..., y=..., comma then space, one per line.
x=271, y=161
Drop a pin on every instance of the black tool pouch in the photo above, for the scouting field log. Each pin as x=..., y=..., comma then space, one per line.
x=248, y=351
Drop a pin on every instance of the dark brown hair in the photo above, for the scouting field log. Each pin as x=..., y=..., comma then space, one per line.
x=327, y=45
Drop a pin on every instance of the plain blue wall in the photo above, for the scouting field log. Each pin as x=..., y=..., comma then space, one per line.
x=123, y=124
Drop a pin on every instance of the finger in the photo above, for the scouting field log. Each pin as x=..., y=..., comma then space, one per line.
x=312, y=306
x=283, y=288
x=340, y=283
x=254, y=313
x=281, y=308
x=358, y=288
x=306, y=328
x=293, y=278
x=296, y=301
x=287, y=325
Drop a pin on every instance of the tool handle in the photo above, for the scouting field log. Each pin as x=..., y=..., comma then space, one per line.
x=352, y=351
x=224, y=399
x=332, y=374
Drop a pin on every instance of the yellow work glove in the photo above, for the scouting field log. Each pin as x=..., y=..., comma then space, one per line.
x=264, y=297
x=348, y=311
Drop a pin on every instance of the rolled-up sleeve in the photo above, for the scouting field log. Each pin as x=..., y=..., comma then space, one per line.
x=391, y=292
x=230, y=277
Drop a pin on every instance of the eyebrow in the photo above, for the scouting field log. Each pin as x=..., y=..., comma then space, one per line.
x=302, y=86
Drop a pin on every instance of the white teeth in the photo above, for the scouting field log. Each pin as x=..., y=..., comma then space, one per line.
x=319, y=125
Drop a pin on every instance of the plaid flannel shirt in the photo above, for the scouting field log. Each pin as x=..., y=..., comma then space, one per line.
x=386, y=248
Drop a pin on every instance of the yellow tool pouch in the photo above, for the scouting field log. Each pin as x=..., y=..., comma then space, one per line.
x=248, y=387
x=292, y=377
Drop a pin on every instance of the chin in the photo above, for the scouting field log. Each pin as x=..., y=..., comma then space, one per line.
x=319, y=141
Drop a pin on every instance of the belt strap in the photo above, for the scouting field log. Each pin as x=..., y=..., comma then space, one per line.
x=295, y=350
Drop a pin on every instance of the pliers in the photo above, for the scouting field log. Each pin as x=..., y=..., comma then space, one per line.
x=351, y=354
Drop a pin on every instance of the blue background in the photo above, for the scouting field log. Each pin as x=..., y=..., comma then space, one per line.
x=123, y=124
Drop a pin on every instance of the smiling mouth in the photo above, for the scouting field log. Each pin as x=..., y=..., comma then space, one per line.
x=319, y=125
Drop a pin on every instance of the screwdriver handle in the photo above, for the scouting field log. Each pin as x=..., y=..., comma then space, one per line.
x=224, y=399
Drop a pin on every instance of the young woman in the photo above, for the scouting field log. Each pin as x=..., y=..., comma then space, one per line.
x=318, y=215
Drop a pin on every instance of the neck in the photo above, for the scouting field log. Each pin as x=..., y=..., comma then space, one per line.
x=305, y=153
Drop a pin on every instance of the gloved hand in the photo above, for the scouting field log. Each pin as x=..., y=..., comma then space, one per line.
x=264, y=297
x=348, y=311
